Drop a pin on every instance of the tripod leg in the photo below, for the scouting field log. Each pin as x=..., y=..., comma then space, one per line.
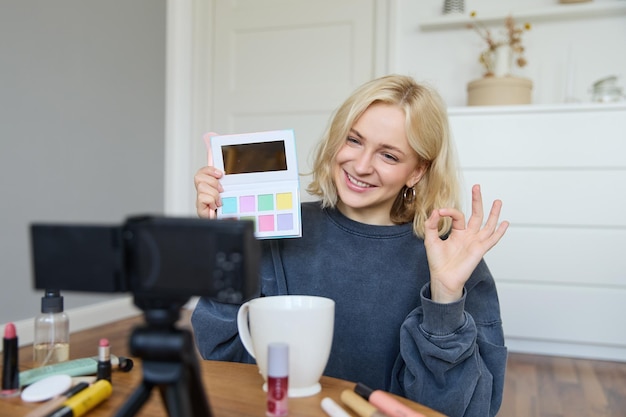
x=135, y=401
x=199, y=399
x=176, y=402
x=185, y=396
x=169, y=363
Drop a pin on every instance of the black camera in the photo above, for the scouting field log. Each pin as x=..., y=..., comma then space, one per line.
x=163, y=262
x=152, y=257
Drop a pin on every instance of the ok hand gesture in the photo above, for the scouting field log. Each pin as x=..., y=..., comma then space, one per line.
x=453, y=260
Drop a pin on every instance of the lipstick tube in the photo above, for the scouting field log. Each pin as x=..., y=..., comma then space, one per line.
x=104, y=360
x=10, y=360
x=385, y=402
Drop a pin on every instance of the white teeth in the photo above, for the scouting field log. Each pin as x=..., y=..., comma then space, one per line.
x=357, y=182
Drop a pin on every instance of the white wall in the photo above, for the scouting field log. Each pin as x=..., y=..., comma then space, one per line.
x=82, y=132
x=582, y=48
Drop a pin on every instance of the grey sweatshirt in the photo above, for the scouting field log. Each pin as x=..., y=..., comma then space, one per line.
x=388, y=334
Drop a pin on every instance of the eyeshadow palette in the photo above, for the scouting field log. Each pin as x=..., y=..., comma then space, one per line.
x=260, y=180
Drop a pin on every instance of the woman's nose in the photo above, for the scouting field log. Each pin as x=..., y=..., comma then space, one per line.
x=363, y=163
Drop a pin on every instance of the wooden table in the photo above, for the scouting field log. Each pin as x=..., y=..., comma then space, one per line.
x=234, y=390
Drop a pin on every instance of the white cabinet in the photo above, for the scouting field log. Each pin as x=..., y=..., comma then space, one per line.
x=561, y=267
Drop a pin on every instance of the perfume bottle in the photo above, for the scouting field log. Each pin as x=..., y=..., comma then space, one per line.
x=52, y=331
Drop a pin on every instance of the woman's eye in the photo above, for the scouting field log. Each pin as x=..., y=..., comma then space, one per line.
x=352, y=139
x=390, y=157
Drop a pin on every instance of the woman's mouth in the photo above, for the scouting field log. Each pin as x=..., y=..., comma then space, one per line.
x=357, y=183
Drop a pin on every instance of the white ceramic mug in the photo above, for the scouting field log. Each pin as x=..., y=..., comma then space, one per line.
x=304, y=322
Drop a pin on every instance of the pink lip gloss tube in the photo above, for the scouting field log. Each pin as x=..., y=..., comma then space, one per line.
x=277, y=379
x=385, y=402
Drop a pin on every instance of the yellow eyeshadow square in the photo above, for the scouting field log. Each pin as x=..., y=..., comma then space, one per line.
x=283, y=201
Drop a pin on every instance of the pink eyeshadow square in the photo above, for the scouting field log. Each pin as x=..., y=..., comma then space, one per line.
x=266, y=223
x=246, y=204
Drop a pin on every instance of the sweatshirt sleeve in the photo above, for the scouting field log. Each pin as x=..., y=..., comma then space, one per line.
x=215, y=332
x=452, y=356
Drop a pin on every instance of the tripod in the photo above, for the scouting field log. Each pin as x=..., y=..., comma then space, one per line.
x=169, y=362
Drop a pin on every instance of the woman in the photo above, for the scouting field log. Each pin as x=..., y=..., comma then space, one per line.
x=417, y=310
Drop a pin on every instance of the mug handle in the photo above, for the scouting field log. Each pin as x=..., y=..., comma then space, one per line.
x=244, y=329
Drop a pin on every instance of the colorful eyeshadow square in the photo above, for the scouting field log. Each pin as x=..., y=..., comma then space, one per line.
x=229, y=205
x=266, y=223
x=251, y=218
x=283, y=201
x=266, y=202
x=284, y=221
x=246, y=204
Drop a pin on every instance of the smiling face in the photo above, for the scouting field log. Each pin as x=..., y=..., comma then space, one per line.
x=374, y=164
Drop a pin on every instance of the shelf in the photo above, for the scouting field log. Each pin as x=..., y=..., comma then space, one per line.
x=558, y=12
x=537, y=108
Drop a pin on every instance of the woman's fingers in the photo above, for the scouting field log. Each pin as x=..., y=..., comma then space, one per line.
x=494, y=230
x=207, y=201
x=208, y=189
x=209, y=175
x=457, y=216
x=494, y=216
x=431, y=229
x=476, y=218
x=491, y=231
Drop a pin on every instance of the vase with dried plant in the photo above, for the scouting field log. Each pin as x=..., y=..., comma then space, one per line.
x=502, y=48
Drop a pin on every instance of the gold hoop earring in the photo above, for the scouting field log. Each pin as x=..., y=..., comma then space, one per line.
x=408, y=197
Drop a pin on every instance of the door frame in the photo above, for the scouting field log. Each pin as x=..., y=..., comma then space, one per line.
x=188, y=87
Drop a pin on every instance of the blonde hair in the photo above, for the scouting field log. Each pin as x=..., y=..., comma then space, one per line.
x=428, y=133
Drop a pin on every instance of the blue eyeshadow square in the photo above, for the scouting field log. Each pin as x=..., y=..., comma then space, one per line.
x=229, y=205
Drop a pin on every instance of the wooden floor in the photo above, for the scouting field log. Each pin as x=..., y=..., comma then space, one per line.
x=544, y=386
x=535, y=386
